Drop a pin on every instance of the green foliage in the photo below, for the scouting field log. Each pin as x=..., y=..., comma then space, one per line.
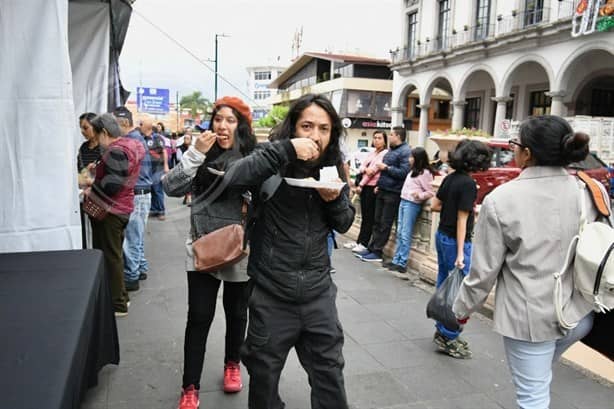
x=275, y=116
x=196, y=103
x=467, y=132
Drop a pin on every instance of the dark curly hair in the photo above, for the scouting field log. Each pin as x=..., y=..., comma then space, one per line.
x=552, y=141
x=287, y=129
x=245, y=138
x=470, y=156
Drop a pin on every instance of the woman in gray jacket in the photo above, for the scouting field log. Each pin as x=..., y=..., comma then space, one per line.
x=521, y=239
x=200, y=171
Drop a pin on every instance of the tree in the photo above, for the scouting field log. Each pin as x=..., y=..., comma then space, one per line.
x=196, y=103
x=275, y=116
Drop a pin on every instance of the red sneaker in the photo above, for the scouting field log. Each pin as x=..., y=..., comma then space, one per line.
x=189, y=398
x=232, y=377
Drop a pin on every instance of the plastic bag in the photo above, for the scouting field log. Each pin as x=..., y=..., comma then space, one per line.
x=439, y=306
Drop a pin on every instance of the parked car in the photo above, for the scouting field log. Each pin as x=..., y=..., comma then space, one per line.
x=504, y=169
x=357, y=157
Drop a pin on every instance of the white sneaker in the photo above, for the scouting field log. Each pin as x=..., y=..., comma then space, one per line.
x=350, y=245
x=359, y=248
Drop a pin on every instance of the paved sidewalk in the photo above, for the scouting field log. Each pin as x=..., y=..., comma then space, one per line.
x=391, y=362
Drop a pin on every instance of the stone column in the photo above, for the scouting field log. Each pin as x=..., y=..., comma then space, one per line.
x=557, y=107
x=458, y=115
x=500, y=114
x=424, y=124
x=397, y=115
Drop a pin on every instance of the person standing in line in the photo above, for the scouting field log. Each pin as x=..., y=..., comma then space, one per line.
x=90, y=151
x=417, y=189
x=159, y=166
x=393, y=171
x=228, y=139
x=116, y=175
x=366, y=189
x=292, y=297
x=136, y=266
x=521, y=239
x=455, y=199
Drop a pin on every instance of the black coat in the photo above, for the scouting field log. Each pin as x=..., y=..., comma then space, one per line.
x=288, y=244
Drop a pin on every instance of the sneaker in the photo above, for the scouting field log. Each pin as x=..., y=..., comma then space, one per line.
x=452, y=347
x=400, y=272
x=371, y=257
x=389, y=265
x=143, y=276
x=132, y=285
x=232, y=377
x=350, y=245
x=120, y=314
x=361, y=254
x=359, y=248
x=332, y=270
x=189, y=398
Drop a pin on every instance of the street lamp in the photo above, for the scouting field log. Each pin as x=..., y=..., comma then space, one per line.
x=216, y=36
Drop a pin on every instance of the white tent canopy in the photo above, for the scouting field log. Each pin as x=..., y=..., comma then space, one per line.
x=57, y=62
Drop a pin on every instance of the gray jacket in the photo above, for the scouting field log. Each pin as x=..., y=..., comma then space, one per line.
x=521, y=239
x=206, y=217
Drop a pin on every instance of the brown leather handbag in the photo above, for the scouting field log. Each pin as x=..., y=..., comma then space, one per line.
x=220, y=248
x=94, y=205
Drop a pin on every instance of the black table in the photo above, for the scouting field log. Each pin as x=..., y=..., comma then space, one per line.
x=57, y=327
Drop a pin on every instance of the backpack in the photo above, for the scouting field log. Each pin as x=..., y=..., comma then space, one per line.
x=592, y=251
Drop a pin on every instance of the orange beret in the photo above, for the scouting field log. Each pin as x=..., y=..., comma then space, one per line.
x=238, y=105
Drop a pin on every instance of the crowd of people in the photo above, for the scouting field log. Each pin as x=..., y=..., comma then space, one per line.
x=285, y=286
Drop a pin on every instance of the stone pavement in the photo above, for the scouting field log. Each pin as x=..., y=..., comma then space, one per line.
x=391, y=362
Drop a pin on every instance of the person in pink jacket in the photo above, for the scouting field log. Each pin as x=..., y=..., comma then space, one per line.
x=417, y=189
x=366, y=188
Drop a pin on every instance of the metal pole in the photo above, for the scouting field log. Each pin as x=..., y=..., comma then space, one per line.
x=215, y=89
x=178, y=111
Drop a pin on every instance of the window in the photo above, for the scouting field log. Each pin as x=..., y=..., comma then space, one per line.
x=335, y=99
x=363, y=143
x=346, y=71
x=602, y=102
x=533, y=12
x=444, y=23
x=442, y=110
x=412, y=24
x=482, y=19
x=262, y=75
x=261, y=94
x=359, y=103
x=539, y=103
x=382, y=104
x=472, y=113
x=509, y=108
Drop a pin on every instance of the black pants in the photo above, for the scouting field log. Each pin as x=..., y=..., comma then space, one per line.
x=367, y=214
x=202, y=297
x=313, y=329
x=108, y=236
x=386, y=212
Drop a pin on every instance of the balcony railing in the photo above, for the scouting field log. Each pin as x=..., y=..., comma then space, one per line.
x=466, y=35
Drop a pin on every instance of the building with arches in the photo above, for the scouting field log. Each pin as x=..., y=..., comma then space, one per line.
x=500, y=60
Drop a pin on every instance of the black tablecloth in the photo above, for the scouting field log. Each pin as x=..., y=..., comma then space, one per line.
x=57, y=327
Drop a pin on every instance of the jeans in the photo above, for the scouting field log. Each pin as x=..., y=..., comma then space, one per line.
x=446, y=256
x=330, y=242
x=157, y=199
x=134, y=239
x=408, y=214
x=531, y=364
x=386, y=210
x=202, y=298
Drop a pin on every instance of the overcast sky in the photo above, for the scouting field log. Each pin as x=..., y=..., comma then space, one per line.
x=261, y=33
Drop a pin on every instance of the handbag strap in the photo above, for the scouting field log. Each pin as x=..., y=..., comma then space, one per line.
x=596, y=195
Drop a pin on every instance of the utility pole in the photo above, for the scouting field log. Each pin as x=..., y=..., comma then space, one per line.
x=215, y=89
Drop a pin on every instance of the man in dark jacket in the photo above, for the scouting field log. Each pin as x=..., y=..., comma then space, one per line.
x=292, y=299
x=393, y=171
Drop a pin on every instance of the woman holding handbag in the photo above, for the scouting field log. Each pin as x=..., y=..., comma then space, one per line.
x=521, y=239
x=201, y=170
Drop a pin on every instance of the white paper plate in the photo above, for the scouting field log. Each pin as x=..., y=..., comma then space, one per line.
x=315, y=184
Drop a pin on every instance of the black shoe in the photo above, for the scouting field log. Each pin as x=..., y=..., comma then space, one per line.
x=142, y=276
x=132, y=285
x=389, y=265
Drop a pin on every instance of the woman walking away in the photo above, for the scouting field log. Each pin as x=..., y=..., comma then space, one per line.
x=455, y=199
x=366, y=188
x=228, y=139
x=417, y=189
x=522, y=236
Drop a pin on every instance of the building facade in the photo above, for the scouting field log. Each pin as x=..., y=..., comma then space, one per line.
x=259, y=79
x=500, y=61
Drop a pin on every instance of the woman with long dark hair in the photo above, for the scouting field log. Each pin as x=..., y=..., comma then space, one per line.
x=90, y=151
x=228, y=139
x=417, y=189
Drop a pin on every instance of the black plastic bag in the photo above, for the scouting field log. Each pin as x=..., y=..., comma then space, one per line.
x=439, y=307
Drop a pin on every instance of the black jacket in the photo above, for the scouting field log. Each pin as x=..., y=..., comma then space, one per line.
x=288, y=243
x=397, y=159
